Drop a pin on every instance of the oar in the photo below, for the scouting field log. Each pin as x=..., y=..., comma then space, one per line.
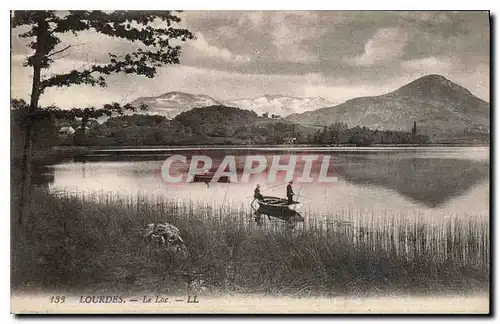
x=281, y=184
x=298, y=194
x=225, y=195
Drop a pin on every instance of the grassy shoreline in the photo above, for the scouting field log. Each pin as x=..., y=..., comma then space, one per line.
x=76, y=244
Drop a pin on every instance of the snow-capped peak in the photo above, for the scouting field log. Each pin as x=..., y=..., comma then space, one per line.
x=173, y=103
x=279, y=104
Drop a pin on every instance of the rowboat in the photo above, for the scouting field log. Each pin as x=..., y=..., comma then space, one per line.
x=203, y=177
x=275, y=202
x=279, y=208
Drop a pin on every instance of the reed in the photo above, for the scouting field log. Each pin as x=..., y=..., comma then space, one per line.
x=79, y=242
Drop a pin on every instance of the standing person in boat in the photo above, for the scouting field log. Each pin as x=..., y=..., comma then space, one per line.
x=289, y=192
x=207, y=182
x=256, y=193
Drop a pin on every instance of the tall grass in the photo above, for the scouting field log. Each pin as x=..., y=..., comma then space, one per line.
x=80, y=243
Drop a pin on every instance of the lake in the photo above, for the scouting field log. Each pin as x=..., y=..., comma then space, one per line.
x=429, y=182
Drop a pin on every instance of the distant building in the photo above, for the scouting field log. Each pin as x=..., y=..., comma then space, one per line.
x=290, y=140
x=66, y=130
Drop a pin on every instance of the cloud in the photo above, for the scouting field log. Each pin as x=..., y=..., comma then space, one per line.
x=290, y=30
x=201, y=47
x=386, y=44
x=334, y=54
x=476, y=81
x=275, y=36
x=218, y=84
x=340, y=93
x=256, y=18
x=432, y=63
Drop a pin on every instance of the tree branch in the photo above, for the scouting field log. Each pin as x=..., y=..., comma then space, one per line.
x=64, y=49
x=72, y=77
x=60, y=51
x=132, y=26
x=60, y=57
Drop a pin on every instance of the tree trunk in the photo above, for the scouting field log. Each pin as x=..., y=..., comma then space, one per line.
x=26, y=161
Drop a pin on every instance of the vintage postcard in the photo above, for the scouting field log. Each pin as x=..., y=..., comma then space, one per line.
x=276, y=162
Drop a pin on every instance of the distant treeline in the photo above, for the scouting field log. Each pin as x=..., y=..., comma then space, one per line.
x=209, y=125
x=340, y=133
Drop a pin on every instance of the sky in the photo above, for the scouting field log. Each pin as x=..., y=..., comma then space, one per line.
x=337, y=55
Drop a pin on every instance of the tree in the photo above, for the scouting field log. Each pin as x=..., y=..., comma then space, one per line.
x=85, y=114
x=153, y=49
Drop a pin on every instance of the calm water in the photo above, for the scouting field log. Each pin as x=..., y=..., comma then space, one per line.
x=424, y=182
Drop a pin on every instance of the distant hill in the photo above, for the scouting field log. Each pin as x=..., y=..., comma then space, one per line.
x=279, y=104
x=216, y=121
x=441, y=109
x=235, y=124
x=171, y=104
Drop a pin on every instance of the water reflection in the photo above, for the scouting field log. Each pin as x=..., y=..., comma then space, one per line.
x=452, y=178
x=43, y=176
x=431, y=182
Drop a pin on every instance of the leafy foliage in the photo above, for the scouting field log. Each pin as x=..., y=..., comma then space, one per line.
x=154, y=44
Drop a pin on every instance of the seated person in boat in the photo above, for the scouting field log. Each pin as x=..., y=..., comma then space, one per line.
x=289, y=192
x=256, y=193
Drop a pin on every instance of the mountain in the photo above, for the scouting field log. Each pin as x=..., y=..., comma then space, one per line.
x=440, y=108
x=171, y=104
x=279, y=104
